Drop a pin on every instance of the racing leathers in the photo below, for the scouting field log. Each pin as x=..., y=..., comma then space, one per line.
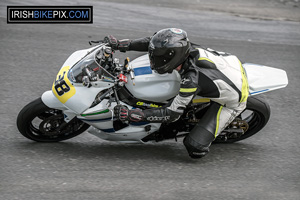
x=206, y=74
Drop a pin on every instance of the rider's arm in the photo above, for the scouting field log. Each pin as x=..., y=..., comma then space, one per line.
x=134, y=45
x=139, y=44
x=127, y=44
x=188, y=89
x=169, y=113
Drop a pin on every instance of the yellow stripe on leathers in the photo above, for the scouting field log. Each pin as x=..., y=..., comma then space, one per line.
x=188, y=90
x=245, y=85
x=218, y=119
x=202, y=58
x=202, y=100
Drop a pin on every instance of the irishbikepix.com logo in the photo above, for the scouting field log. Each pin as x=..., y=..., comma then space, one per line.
x=49, y=14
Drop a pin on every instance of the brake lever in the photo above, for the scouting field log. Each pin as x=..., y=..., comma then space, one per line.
x=96, y=42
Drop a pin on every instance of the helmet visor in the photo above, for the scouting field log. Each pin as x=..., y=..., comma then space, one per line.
x=160, y=57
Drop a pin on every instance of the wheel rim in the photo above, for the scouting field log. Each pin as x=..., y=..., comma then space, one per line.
x=254, y=120
x=44, y=126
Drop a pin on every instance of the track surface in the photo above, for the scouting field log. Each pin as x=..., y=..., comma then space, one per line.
x=265, y=166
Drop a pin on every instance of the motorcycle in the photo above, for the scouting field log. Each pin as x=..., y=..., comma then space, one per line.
x=92, y=82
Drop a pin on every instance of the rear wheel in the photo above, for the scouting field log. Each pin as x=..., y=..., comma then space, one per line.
x=40, y=123
x=251, y=120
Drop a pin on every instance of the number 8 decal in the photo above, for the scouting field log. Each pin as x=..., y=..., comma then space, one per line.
x=62, y=87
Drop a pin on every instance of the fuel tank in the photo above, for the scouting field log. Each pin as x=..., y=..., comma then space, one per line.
x=149, y=85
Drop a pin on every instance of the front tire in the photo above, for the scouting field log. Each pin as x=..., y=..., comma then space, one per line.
x=40, y=123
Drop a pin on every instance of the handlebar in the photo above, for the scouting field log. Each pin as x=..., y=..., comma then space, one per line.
x=105, y=67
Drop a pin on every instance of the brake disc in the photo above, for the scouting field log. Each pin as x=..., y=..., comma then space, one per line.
x=239, y=124
x=50, y=126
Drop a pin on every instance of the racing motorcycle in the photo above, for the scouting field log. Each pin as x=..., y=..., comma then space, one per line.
x=92, y=82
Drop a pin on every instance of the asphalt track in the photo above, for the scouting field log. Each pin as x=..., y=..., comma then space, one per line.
x=266, y=166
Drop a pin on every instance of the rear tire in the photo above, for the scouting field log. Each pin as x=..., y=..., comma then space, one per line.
x=40, y=123
x=259, y=116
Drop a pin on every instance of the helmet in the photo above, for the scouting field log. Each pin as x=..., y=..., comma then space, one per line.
x=168, y=48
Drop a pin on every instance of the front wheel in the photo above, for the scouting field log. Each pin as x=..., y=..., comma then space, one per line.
x=40, y=123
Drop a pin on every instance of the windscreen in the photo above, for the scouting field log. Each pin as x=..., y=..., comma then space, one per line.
x=91, y=61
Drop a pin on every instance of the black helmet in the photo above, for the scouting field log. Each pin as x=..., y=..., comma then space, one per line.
x=168, y=48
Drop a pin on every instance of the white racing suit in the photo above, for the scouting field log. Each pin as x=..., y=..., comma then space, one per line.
x=221, y=78
x=209, y=74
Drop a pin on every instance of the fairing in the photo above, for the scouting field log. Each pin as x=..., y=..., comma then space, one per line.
x=262, y=79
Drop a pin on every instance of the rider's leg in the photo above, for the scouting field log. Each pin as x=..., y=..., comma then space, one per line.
x=215, y=120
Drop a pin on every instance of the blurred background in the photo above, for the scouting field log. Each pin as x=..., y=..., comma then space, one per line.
x=265, y=166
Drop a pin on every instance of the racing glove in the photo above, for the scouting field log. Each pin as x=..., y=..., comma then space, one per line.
x=121, y=45
x=125, y=115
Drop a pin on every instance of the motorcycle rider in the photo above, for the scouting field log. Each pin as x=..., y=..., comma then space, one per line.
x=205, y=72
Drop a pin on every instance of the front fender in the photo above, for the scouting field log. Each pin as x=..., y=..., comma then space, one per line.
x=50, y=100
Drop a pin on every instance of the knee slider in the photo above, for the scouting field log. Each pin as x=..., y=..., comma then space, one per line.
x=195, y=149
